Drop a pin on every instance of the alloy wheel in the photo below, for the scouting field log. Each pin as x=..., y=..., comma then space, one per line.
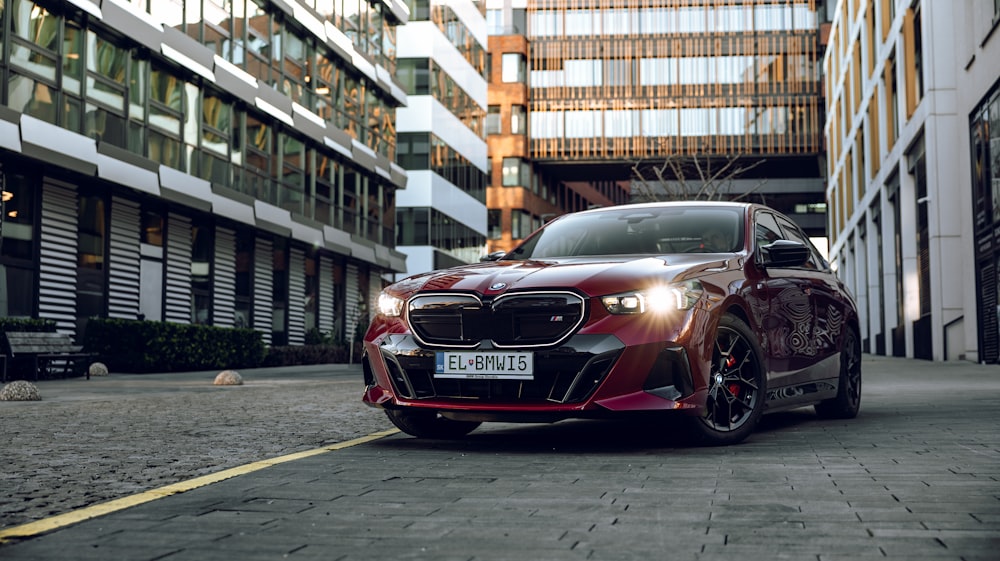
x=734, y=392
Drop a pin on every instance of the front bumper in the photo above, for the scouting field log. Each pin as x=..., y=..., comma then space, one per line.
x=588, y=374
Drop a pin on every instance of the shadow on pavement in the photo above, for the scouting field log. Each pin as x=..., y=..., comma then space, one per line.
x=604, y=436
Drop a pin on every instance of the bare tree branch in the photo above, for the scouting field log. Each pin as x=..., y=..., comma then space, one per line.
x=671, y=179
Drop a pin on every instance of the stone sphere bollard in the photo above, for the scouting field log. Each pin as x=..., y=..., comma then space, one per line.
x=20, y=390
x=228, y=378
x=98, y=369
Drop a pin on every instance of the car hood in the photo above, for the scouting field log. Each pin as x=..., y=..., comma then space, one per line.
x=594, y=276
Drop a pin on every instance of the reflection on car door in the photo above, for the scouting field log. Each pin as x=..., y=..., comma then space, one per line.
x=821, y=287
x=790, y=317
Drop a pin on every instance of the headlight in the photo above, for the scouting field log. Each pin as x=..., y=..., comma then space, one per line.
x=658, y=299
x=389, y=305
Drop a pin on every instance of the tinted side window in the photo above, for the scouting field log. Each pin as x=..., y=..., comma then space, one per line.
x=792, y=232
x=766, y=229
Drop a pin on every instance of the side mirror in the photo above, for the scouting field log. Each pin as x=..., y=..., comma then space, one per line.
x=784, y=253
x=495, y=256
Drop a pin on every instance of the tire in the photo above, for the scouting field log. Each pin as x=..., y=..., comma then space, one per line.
x=848, y=401
x=428, y=424
x=737, y=386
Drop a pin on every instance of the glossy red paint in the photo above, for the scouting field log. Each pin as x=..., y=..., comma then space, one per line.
x=794, y=309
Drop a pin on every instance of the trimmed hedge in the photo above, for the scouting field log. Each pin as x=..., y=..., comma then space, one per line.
x=292, y=355
x=151, y=346
x=26, y=324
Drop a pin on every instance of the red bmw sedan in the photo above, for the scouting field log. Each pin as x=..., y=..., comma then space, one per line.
x=714, y=311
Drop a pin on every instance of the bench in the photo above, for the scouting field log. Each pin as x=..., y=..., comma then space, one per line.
x=50, y=351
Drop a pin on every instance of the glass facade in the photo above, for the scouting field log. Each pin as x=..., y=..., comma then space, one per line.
x=421, y=226
x=442, y=66
x=66, y=73
x=18, y=200
x=659, y=76
x=291, y=129
x=984, y=126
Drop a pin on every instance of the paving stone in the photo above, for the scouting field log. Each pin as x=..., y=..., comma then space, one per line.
x=915, y=477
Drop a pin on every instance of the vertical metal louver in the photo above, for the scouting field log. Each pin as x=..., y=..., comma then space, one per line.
x=58, y=242
x=124, y=259
x=178, y=288
x=325, y=287
x=352, y=307
x=263, y=287
x=296, y=297
x=224, y=280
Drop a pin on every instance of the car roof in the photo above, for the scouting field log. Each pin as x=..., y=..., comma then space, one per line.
x=672, y=204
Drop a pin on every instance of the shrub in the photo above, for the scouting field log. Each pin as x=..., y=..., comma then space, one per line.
x=308, y=354
x=149, y=346
x=26, y=324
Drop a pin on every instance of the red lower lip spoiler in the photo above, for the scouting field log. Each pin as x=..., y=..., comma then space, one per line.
x=642, y=401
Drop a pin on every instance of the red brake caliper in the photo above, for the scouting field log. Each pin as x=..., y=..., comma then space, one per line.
x=734, y=388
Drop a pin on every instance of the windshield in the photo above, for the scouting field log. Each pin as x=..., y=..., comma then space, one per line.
x=637, y=230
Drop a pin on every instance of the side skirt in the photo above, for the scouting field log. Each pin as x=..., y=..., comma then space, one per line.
x=798, y=395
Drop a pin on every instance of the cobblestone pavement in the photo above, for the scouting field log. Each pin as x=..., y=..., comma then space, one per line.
x=916, y=477
x=93, y=440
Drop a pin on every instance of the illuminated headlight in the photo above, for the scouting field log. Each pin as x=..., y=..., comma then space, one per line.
x=656, y=300
x=389, y=305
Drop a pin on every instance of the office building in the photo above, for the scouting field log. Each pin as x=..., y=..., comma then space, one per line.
x=913, y=133
x=441, y=216
x=612, y=89
x=227, y=162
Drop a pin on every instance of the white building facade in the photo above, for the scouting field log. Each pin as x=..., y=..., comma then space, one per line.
x=913, y=139
x=441, y=216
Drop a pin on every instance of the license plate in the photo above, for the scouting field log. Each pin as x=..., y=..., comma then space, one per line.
x=486, y=365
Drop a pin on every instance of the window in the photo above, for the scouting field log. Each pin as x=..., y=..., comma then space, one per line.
x=519, y=20
x=17, y=243
x=107, y=65
x=913, y=60
x=414, y=75
x=493, y=120
x=291, y=192
x=279, y=292
x=152, y=228
x=166, y=106
x=494, y=22
x=312, y=291
x=202, y=247
x=327, y=174
x=892, y=100
x=520, y=224
x=518, y=119
x=766, y=229
x=494, y=223
x=91, y=258
x=34, y=47
x=512, y=67
x=257, y=166
x=412, y=226
x=413, y=150
x=216, y=125
x=545, y=23
x=917, y=165
x=514, y=172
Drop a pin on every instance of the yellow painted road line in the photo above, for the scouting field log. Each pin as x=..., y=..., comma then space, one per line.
x=32, y=529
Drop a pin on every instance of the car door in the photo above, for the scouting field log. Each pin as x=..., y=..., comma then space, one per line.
x=790, y=316
x=821, y=287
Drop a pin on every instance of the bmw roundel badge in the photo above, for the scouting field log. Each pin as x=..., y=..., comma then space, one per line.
x=498, y=286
